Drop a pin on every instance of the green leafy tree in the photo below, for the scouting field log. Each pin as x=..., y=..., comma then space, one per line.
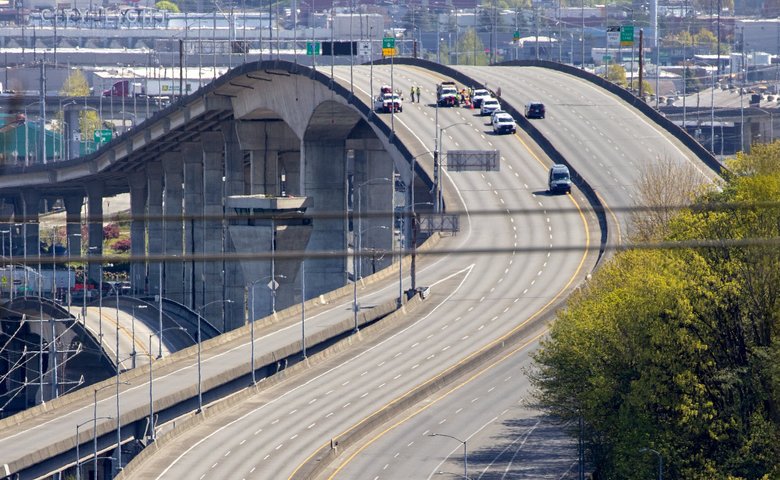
x=674, y=349
x=471, y=49
x=706, y=38
x=167, y=5
x=444, y=53
x=647, y=88
x=75, y=85
x=677, y=39
x=616, y=74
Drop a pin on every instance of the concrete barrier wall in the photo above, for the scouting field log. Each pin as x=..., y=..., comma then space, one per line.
x=85, y=396
x=322, y=458
x=548, y=148
x=679, y=133
x=182, y=425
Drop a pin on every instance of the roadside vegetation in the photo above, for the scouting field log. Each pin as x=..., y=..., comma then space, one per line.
x=675, y=349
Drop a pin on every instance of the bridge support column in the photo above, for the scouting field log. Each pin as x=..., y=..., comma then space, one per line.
x=194, y=281
x=154, y=227
x=221, y=278
x=73, y=205
x=234, y=184
x=172, y=225
x=95, y=225
x=325, y=184
x=30, y=230
x=138, y=197
x=71, y=113
x=372, y=205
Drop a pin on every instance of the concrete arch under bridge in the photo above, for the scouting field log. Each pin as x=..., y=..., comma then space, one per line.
x=83, y=351
x=260, y=163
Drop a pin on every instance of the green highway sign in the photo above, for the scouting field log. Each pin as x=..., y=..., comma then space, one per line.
x=626, y=35
x=606, y=58
x=388, y=42
x=102, y=136
x=312, y=48
x=516, y=35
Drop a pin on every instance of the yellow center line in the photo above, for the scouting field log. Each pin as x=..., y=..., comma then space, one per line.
x=486, y=347
x=434, y=402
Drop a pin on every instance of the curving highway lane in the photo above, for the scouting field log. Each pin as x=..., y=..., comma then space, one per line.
x=608, y=142
x=476, y=298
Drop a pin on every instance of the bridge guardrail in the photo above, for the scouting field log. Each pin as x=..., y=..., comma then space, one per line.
x=636, y=102
x=535, y=135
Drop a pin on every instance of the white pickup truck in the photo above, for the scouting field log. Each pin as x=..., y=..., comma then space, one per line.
x=387, y=101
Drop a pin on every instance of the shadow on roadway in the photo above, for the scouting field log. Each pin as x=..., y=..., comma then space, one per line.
x=536, y=447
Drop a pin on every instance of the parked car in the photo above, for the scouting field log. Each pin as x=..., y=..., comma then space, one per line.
x=496, y=112
x=534, y=110
x=479, y=95
x=504, y=123
x=489, y=105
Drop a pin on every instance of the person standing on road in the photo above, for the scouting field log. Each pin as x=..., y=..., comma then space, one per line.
x=418, y=94
x=412, y=94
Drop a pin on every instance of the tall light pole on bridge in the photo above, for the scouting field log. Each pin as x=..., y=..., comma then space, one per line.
x=272, y=284
x=152, y=435
x=465, y=451
x=94, y=426
x=78, y=443
x=437, y=164
x=358, y=241
x=200, y=341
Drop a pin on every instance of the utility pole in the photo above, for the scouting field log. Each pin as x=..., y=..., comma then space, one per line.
x=42, y=132
x=641, y=62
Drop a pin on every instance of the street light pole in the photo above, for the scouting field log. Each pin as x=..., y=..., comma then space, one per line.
x=94, y=427
x=437, y=166
x=78, y=443
x=303, y=307
x=200, y=376
x=660, y=461
x=252, y=320
x=359, y=240
x=134, y=353
x=465, y=452
x=151, y=393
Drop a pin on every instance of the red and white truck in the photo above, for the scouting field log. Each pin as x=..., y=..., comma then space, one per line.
x=153, y=87
x=387, y=101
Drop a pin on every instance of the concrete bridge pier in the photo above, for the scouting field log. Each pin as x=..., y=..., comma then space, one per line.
x=95, y=226
x=154, y=227
x=173, y=247
x=230, y=181
x=138, y=198
x=194, y=284
x=217, y=286
x=71, y=114
x=325, y=179
x=31, y=229
x=373, y=187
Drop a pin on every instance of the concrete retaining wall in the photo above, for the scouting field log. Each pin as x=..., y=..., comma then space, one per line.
x=181, y=426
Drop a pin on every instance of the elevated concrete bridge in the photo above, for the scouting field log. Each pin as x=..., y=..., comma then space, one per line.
x=258, y=165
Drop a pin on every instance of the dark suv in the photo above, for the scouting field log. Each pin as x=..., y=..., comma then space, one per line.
x=534, y=110
x=559, y=179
